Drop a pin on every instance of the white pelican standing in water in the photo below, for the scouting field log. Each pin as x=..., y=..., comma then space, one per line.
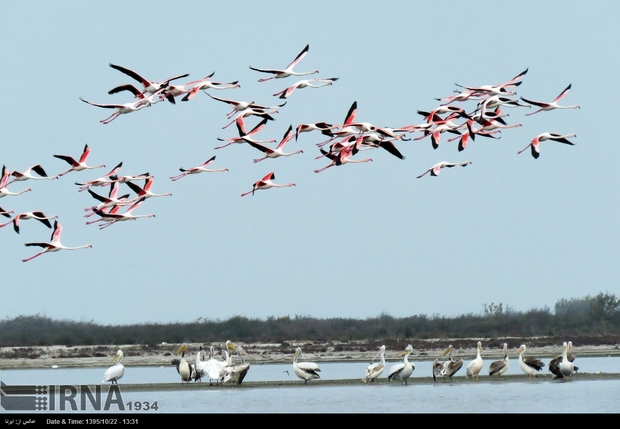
x=402, y=371
x=447, y=368
x=554, y=365
x=375, y=370
x=215, y=367
x=183, y=367
x=116, y=371
x=304, y=370
x=501, y=366
x=566, y=366
x=529, y=366
x=474, y=367
x=200, y=365
x=237, y=372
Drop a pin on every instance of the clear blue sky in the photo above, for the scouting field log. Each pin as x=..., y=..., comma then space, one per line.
x=352, y=241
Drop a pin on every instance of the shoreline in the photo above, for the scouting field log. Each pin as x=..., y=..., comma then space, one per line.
x=28, y=357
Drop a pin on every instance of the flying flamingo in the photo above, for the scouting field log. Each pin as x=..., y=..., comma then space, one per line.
x=143, y=99
x=5, y=213
x=130, y=178
x=535, y=144
x=207, y=84
x=112, y=200
x=195, y=170
x=250, y=111
x=55, y=244
x=149, y=86
x=305, y=83
x=344, y=129
x=280, y=74
x=78, y=165
x=120, y=108
x=240, y=106
x=551, y=106
x=323, y=127
x=102, y=181
x=498, y=89
x=266, y=183
x=433, y=116
x=111, y=218
x=277, y=152
x=374, y=140
x=436, y=169
x=29, y=215
x=42, y=175
x=342, y=157
x=146, y=191
x=4, y=183
x=170, y=91
x=243, y=136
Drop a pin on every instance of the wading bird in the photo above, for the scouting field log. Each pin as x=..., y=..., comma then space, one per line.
x=116, y=371
x=474, y=367
x=402, y=371
x=447, y=368
x=304, y=370
x=184, y=369
x=529, y=366
x=501, y=366
x=375, y=370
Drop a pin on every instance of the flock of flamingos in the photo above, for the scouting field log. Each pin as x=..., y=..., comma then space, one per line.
x=341, y=143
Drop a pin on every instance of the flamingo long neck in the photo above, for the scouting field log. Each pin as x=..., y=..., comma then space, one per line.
x=78, y=247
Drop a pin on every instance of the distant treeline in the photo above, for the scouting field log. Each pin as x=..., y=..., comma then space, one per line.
x=588, y=316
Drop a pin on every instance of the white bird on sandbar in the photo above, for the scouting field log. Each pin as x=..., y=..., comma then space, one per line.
x=447, y=368
x=402, y=371
x=183, y=368
x=529, y=366
x=375, y=370
x=566, y=366
x=116, y=371
x=474, y=367
x=501, y=366
x=304, y=370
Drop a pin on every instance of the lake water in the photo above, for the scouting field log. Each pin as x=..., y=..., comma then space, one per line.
x=584, y=396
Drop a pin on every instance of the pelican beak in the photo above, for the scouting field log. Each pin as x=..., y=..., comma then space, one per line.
x=181, y=349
